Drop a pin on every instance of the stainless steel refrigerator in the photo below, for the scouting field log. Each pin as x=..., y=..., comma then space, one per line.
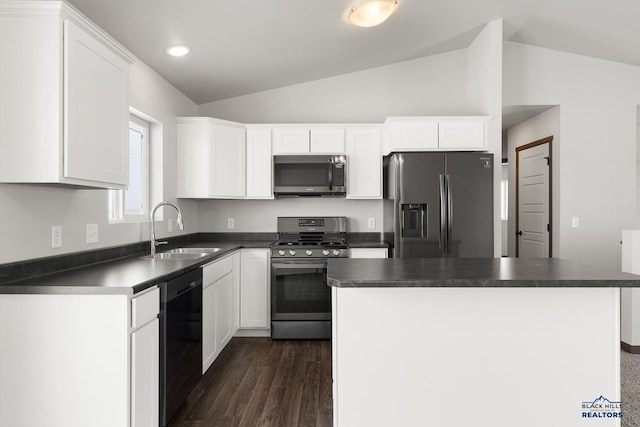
x=442, y=204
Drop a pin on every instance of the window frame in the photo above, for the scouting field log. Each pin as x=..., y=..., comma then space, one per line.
x=116, y=208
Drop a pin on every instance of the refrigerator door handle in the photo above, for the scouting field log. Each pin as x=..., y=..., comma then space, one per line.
x=449, y=214
x=443, y=215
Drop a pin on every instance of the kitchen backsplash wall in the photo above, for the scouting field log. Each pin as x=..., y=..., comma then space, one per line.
x=260, y=215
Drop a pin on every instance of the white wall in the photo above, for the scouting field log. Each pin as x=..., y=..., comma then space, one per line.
x=27, y=212
x=597, y=155
x=541, y=126
x=260, y=215
x=433, y=85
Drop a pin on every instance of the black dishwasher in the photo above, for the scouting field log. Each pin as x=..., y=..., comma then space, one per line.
x=180, y=341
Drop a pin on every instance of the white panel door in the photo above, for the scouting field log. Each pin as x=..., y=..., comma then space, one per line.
x=254, y=289
x=291, y=141
x=209, y=340
x=414, y=136
x=227, y=162
x=96, y=114
x=364, y=164
x=259, y=164
x=193, y=163
x=327, y=141
x=145, y=354
x=224, y=311
x=533, y=202
x=461, y=135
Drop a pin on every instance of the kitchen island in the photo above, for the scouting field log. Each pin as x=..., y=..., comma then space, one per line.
x=475, y=342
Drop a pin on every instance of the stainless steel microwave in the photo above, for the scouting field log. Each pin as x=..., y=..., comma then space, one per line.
x=310, y=175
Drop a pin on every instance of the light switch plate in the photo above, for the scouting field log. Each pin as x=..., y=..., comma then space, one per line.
x=56, y=236
x=91, y=233
x=230, y=223
x=575, y=222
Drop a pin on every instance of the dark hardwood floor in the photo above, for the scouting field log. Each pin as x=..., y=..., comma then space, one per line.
x=260, y=382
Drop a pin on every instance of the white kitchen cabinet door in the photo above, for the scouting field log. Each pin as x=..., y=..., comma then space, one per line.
x=327, y=141
x=291, y=141
x=96, y=113
x=211, y=158
x=255, y=275
x=209, y=340
x=368, y=253
x=224, y=311
x=235, y=314
x=145, y=389
x=461, y=135
x=227, y=162
x=413, y=135
x=259, y=164
x=64, y=99
x=364, y=164
x=220, y=306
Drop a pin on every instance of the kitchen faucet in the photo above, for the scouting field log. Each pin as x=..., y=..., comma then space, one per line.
x=153, y=226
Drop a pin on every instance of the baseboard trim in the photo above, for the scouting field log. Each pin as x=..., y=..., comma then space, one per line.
x=633, y=349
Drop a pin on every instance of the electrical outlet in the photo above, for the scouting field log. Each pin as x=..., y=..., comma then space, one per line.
x=91, y=235
x=56, y=236
x=575, y=222
x=230, y=223
x=170, y=225
x=371, y=223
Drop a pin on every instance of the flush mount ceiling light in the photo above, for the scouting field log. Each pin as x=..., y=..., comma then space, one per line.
x=372, y=12
x=178, y=50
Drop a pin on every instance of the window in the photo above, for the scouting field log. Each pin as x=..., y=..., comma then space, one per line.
x=132, y=204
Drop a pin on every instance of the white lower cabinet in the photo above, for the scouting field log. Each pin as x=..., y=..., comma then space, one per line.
x=219, y=307
x=145, y=344
x=368, y=253
x=255, y=279
x=71, y=360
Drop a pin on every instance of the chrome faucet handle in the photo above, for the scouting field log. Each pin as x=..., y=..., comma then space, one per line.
x=160, y=242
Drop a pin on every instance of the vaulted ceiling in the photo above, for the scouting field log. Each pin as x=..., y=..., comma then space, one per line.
x=246, y=46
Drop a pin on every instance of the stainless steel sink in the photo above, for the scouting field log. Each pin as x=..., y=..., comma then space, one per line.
x=194, y=250
x=177, y=255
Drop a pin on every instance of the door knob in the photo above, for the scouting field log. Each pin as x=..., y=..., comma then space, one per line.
x=519, y=233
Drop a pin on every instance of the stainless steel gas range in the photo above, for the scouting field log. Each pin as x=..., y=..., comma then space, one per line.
x=300, y=297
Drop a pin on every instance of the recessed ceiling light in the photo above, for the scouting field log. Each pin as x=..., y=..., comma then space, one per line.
x=372, y=12
x=178, y=50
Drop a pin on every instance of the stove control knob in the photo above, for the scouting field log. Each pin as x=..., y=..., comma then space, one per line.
x=281, y=252
x=325, y=252
x=309, y=252
x=336, y=252
x=292, y=252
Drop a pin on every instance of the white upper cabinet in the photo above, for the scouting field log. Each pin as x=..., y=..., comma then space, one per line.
x=327, y=141
x=291, y=141
x=211, y=158
x=64, y=103
x=307, y=140
x=461, y=134
x=259, y=164
x=413, y=135
x=364, y=167
x=435, y=134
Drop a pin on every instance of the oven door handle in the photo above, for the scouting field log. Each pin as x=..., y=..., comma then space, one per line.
x=321, y=264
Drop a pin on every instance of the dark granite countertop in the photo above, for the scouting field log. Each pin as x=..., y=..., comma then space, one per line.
x=472, y=272
x=127, y=275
